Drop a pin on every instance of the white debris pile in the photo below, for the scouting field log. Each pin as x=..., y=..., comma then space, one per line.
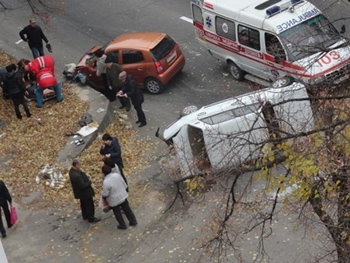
x=51, y=176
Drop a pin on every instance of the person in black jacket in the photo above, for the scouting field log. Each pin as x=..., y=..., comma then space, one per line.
x=82, y=189
x=110, y=149
x=34, y=35
x=131, y=90
x=5, y=198
x=16, y=90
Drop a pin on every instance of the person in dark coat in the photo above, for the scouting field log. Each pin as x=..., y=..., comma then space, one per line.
x=113, y=70
x=16, y=90
x=5, y=198
x=131, y=90
x=3, y=72
x=110, y=149
x=82, y=189
x=34, y=35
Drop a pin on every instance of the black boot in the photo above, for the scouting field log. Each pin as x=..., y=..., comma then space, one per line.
x=19, y=116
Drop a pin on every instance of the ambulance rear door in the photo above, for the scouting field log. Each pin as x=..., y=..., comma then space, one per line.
x=197, y=16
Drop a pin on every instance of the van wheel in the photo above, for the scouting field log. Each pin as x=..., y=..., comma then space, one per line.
x=235, y=71
x=282, y=82
x=188, y=110
x=153, y=86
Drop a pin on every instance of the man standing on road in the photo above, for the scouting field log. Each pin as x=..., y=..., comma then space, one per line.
x=82, y=189
x=114, y=191
x=110, y=149
x=34, y=35
x=131, y=90
x=112, y=71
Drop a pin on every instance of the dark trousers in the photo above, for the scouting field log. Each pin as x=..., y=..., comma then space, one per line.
x=123, y=176
x=6, y=210
x=128, y=212
x=87, y=208
x=18, y=99
x=37, y=51
x=140, y=114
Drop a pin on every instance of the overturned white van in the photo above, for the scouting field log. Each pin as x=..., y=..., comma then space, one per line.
x=232, y=131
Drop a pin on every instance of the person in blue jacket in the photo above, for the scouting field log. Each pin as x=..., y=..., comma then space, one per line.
x=110, y=149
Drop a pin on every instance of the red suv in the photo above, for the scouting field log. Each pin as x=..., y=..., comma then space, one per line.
x=151, y=58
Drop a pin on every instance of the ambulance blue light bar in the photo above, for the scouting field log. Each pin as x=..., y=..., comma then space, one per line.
x=276, y=9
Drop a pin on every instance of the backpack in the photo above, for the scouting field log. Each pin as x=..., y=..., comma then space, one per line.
x=85, y=119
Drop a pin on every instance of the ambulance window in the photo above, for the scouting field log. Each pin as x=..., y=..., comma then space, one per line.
x=197, y=14
x=225, y=28
x=249, y=37
x=274, y=47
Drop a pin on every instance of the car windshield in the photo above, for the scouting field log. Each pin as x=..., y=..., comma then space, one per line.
x=312, y=36
x=90, y=58
x=163, y=48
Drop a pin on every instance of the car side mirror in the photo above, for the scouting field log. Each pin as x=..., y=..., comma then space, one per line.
x=342, y=29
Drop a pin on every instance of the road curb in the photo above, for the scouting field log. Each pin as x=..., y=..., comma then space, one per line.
x=101, y=111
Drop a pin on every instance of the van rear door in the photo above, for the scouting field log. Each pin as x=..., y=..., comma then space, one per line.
x=198, y=22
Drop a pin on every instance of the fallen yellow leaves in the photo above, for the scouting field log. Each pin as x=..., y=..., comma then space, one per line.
x=31, y=143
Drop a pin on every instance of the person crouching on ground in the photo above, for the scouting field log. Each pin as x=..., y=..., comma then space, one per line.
x=43, y=68
x=15, y=88
x=82, y=189
x=114, y=191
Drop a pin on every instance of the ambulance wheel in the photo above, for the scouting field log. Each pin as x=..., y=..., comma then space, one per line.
x=188, y=110
x=235, y=71
x=282, y=82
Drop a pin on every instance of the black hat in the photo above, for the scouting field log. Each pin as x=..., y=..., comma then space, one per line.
x=11, y=68
x=108, y=59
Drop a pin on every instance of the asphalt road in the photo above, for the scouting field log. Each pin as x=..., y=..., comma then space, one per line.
x=88, y=23
x=159, y=238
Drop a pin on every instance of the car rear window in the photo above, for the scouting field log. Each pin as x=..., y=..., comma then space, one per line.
x=163, y=48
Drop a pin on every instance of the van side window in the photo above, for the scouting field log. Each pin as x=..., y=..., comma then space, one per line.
x=132, y=56
x=197, y=14
x=225, y=28
x=249, y=37
x=274, y=47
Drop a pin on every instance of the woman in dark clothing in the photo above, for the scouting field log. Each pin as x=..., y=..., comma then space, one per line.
x=5, y=197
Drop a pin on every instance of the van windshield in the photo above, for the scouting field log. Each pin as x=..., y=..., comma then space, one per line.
x=312, y=36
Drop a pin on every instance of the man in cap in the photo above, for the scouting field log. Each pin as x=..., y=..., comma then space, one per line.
x=131, y=90
x=34, y=35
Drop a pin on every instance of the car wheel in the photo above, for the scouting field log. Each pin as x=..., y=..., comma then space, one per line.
x=282, y=82
x=188, y=110
x=235, y=71
x=153, y=86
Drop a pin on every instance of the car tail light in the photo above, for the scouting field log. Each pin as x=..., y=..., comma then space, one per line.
x=159, y=67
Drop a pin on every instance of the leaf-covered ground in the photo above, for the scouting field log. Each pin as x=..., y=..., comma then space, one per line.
x=28, y=144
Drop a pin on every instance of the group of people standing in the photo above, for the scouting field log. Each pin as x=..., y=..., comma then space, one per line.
x=118, y=83
x=115, y=187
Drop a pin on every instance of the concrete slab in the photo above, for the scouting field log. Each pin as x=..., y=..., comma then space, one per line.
x=102, y=112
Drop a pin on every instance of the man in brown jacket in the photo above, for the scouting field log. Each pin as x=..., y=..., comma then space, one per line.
x=82, y=189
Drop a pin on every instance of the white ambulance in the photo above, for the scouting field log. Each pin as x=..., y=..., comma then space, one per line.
x=233, y=131
x=272, y=39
